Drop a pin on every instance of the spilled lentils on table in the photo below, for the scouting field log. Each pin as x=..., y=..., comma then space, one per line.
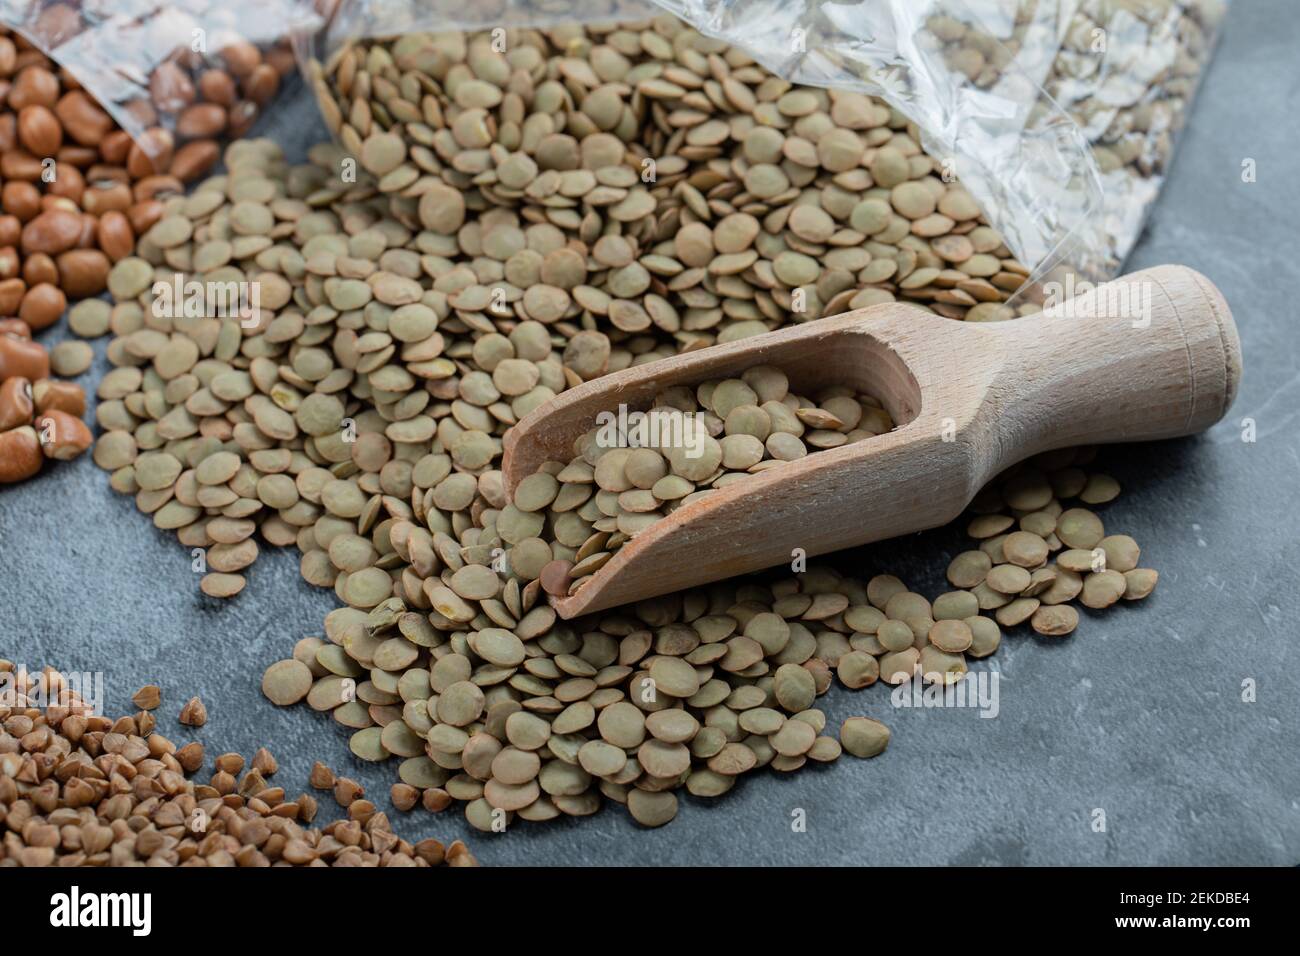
x=507, y=239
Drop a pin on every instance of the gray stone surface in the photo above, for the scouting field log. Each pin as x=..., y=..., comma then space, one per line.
x=1138, y=714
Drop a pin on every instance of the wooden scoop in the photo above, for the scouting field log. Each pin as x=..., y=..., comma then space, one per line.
x=1153, y=355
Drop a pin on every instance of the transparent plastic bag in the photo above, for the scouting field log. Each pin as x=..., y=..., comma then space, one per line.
x=1124, y=71
x=1127, y=74
x=171, y=73
x=978, y=78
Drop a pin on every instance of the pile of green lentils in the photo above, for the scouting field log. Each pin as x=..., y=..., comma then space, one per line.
x=493, y=227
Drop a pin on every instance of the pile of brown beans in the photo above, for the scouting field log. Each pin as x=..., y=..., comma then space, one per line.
x=76, y=192
x=51, y=135
x=40, y=417
x=218, y=89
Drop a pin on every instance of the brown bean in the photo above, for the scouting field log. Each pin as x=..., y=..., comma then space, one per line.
x=20, y=454
x=78, y=156
x=153, y=186
x=8, y=56
x=18, y=164
x=51, y=394
x=115, y=146
x=107, y=174
x=11, y=230
x=217, y=87
x=201, y=120
x=98, y=200
x=34, y=86
x=16, y=406
x=50, y=201
x=281, y=57
x=11, y=295
x=194, y=159
x=261, y=85
x=170, y=88
x=53, y=231
x=39, y=267
x=89, y=226
x=15, y=327
x=62, y=436
x=143, y=215
x=152, y=153
x=43, y=305
x=241, y=57
x=83, y=272
x=83, y=119
x=69, y=184
x=57, y=22
x=22, y=357
x=10, y=263
x=21, y=199
x=191, y=60
x=141, y=113
x=115, y=235
x=39, y=131
x=242, y=117
x=30, y=56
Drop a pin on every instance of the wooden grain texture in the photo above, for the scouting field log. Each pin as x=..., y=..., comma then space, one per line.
x=970, y=399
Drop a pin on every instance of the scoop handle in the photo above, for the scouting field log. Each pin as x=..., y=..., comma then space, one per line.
x=1150, y=356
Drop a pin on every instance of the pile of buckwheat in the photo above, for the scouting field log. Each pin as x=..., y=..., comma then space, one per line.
x=79, y=789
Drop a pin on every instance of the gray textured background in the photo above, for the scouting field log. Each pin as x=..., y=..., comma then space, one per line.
x=1139, y=713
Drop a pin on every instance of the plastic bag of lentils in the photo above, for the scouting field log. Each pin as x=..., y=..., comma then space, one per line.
x=1125, y=72
x=1058, y=116
x=177, y=75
